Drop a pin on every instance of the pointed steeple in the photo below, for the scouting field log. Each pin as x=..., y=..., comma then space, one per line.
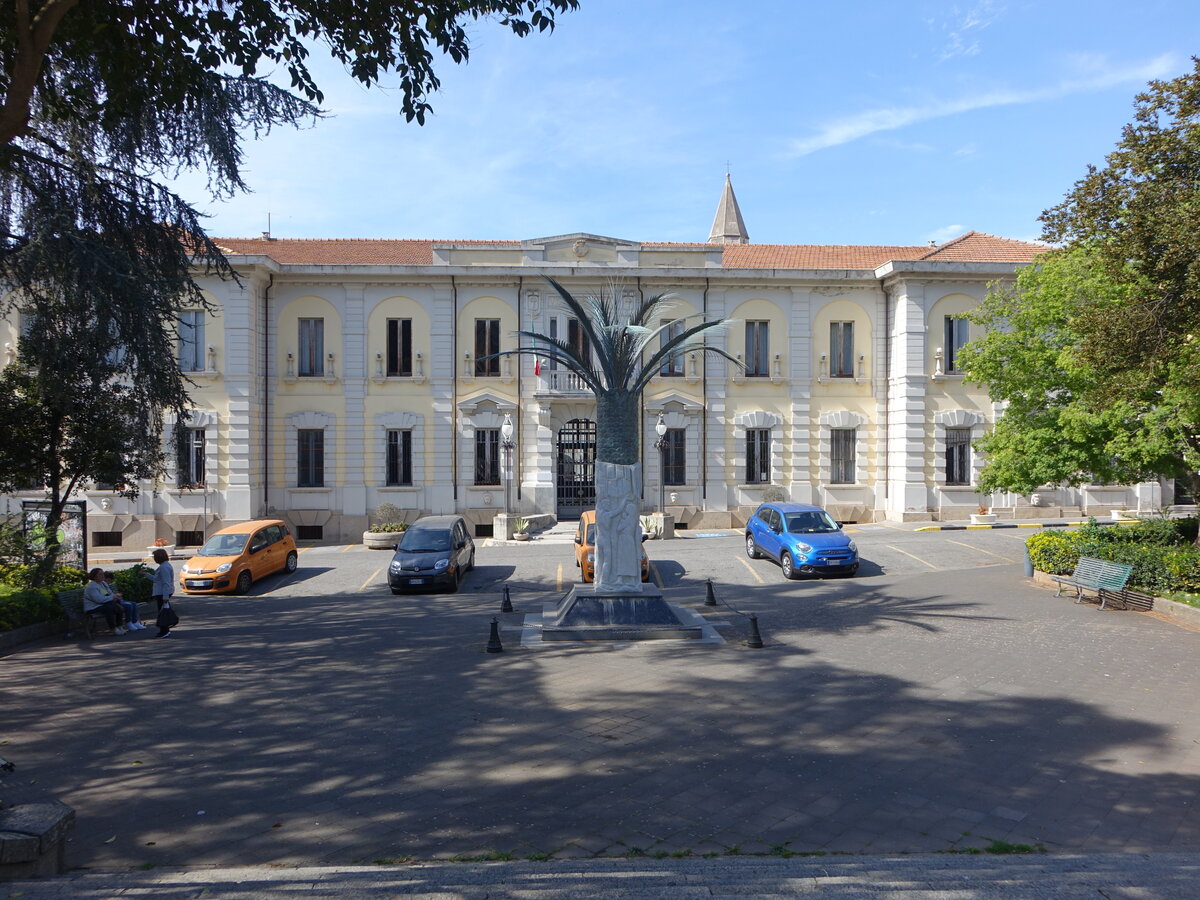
x=728, y=227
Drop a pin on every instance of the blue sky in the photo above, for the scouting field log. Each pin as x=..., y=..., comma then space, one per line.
x=857, y=123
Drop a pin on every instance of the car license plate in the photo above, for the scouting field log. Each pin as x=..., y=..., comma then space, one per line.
x=416, y=581
x=199, y=585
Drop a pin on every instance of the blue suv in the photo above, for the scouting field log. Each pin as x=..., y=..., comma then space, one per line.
x=803, y=539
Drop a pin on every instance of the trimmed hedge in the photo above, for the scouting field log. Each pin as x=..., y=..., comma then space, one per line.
x=28, y=606
x=21, y=605
x=1160, y=551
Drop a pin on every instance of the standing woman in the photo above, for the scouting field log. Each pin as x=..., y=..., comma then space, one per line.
x=162, y=587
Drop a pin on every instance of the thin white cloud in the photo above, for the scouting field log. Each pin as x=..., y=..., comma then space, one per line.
x=962, y=35
x=941, y=235
x=860, y=125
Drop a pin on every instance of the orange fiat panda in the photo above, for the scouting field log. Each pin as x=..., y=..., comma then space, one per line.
x=237, y=556
x=585, y=549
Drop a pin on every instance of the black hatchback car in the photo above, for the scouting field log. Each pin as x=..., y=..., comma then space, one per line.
x=436, y=551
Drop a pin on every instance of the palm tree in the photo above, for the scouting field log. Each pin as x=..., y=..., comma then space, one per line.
x=616, y=362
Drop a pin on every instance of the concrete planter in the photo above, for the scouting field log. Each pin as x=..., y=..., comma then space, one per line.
x=381, y=540
x=983, y=518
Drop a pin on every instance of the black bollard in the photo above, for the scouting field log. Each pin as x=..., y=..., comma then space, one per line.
x=494, y=645
x=506, y=603
x=710, y=599
x=755, y=640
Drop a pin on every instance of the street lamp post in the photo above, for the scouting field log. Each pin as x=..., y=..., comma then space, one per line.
x=506, y=433
x=661, y=429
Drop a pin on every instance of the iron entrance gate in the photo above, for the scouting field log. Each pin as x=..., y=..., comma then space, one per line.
x=576, y=471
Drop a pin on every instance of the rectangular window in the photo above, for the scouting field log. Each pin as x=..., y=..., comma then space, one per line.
x=757, y=348
x=958, y=456
x=842, y=442
x=577, y=338
x=399, y=347
x=312, y=347
x=310, y=457
x=487, y=343
x=189, y=457
x=841, y=349
x=957, y=334
x=675, y=456
x=310, y=532
x=673, y=364
x=758, y=456
x=399, y=457
x=487, y=456
x=106, y=539
x=189, y=538
x=191, y=340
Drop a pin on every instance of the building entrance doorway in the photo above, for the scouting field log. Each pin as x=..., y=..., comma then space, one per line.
x=576, y=468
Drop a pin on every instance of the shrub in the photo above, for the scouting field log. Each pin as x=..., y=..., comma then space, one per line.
x=386, y=513
x=133, y=583
x=388, y=527
x=1157, y=567
x=1053, y=552
x=28, y=606
x=61, y=579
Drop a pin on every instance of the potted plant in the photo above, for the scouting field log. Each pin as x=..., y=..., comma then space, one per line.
x=161, y=544
x=984, y=517
x=520, y=529
x=389, y=527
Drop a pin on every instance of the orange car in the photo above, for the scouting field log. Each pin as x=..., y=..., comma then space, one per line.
x=237, y=556
x=585, y=549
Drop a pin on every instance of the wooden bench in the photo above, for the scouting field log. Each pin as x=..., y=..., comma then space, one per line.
x=1094, y=575
x=72, y=604
x=1126, y=598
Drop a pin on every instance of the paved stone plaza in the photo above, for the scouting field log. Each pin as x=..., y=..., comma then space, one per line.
x=937, y=702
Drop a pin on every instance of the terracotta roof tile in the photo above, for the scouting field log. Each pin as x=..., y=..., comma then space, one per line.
x=342, y=252
x=813, y=256
x=975, y=246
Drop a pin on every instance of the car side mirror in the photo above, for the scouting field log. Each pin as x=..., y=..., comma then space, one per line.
x=395, y=547
x=645, y=537
x=579, y=540
x=778, y=529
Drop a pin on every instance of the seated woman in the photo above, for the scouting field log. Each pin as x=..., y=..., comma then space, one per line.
x=133, y=619
x=98, y=598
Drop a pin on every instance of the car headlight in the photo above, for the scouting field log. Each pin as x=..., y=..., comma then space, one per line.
x=395, y=566
x=185, y=570
x=803, y=547
x=441, y=564
x=591, y=557
x=853, y=546
x=224, y=567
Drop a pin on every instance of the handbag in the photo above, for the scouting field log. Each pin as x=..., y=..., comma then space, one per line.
x=167, y=618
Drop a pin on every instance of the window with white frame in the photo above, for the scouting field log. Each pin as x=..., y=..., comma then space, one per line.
x=758, y=455
x=673, y=365
x=191, y=340
x=841, y=349
x=310, y=457
x=399, y=457
x=958, y=456
x=957, y=333
x=487, y=456
x=757, y=349
x=312, y=348
x=399, y=347
x=842, y=443
x=189, y=456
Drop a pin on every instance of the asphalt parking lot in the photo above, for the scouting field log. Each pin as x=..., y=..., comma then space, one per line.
x=935, y=702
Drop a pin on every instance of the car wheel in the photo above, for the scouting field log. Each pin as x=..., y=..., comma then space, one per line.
x=852, y=571
x=752, y=550
x=471, y=566
x=292, y=561
x=245, y=579
x=397, y=591
x=454, y=583
x=788, y=566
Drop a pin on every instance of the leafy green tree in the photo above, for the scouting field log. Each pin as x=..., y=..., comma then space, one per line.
x=1067, y=420
x=1137, y=217
x=103, y=99
x=620, y=355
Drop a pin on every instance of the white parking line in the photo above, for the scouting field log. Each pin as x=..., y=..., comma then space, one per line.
x=910, y=556
x=981, y=550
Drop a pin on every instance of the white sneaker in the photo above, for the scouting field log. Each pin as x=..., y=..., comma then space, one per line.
x=136, y=626
x=120, y=630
